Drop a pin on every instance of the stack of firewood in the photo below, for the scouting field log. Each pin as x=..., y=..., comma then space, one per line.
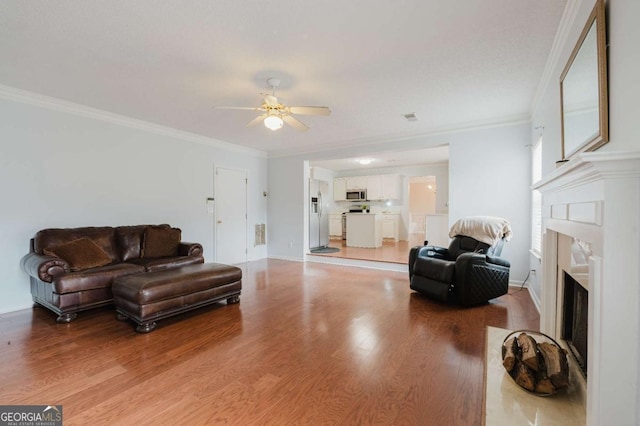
x=538, y=367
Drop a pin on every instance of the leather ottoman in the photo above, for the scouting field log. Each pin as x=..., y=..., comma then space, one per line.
x=149, y=297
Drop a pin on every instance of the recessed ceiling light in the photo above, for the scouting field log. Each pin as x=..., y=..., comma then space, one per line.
x=365, y=161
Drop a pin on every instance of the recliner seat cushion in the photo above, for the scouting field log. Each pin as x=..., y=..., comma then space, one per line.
x=435, y=269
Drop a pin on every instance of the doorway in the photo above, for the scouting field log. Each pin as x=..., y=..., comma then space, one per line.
x=231, y=215
x=422, y=202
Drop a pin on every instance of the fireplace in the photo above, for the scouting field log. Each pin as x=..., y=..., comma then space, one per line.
x=593, y=202
x=575, y=316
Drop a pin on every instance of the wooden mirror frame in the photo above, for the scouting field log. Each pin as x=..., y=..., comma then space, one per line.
x=597, y=19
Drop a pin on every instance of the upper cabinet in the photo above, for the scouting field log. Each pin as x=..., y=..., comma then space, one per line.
x=379, y=187
x=340, y=189
x=374, y=188
x=357, y=182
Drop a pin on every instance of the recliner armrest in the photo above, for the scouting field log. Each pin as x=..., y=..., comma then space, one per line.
x=498, y=261
x=43, y=267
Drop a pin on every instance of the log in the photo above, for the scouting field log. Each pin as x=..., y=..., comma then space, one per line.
x=529, y=354
x=545, y=386
x=555, y=360
x=509, y=349
x=524, y=376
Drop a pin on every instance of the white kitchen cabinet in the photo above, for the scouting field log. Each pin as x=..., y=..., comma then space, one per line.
x=374, y=188
x=340, y=189
x=390, y=226
x=335, y=225
x=356, y=182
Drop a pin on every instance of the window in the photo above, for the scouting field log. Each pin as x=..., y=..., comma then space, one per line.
x=536, y=198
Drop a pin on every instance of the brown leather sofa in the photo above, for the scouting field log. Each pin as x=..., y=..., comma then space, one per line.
x=72, y=269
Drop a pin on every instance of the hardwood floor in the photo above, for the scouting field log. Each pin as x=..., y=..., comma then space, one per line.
x=308, y=343
x=390, y=251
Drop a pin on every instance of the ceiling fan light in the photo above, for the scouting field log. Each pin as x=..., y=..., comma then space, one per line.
x=273, y=122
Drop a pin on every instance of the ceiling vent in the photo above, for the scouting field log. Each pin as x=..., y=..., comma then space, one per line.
x=410, y=117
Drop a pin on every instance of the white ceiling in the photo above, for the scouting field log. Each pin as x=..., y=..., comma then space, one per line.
x=452, y=63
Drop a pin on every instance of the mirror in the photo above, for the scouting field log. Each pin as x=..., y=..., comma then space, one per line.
x=583, y=90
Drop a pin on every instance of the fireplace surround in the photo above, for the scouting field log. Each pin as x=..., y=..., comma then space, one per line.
x=595, y=199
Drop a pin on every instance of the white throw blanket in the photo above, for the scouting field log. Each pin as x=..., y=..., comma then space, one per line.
x=486, y=229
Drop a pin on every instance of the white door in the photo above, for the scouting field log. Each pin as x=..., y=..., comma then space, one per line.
x=231, y=216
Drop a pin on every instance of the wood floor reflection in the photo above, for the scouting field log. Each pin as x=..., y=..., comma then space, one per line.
x=308, y=344
x=392, y=252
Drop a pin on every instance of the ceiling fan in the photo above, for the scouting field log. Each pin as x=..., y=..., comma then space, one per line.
x=275, y=114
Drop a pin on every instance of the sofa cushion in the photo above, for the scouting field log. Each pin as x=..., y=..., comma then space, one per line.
x=104, y=236
x=130, y=241
x=160, y=241
x=80, y=254
x=91, y=279
x=159, y=264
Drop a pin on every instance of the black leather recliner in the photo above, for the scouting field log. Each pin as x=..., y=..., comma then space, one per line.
x=469, y=272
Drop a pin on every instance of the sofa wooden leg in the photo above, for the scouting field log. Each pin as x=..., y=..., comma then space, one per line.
x=121, y=317
x=233, y=299
x=147, y=327
x=65, y=318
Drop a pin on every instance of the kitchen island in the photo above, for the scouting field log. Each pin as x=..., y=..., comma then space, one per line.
x=364, y=230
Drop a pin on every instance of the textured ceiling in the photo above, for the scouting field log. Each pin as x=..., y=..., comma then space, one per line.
x=452, y=63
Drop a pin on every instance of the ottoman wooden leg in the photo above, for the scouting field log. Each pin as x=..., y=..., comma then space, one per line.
x=233, y=299
x=146, y=327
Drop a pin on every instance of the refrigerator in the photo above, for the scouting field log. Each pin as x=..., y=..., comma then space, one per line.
x=318, y=214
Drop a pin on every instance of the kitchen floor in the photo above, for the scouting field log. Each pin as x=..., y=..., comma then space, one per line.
x=390, y=251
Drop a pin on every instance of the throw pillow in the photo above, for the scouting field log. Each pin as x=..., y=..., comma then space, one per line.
x=160, y=242
x=80, y=254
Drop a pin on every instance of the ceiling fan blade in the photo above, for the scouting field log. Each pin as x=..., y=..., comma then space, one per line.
x=295, y=123
x=310, y=110
x=244, y=108
x=270, y=100
x=258, y=119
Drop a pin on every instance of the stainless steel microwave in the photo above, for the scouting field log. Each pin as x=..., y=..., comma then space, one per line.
x=357, y=195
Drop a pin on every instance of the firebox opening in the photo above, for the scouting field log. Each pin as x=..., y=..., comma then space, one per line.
x=575, y=318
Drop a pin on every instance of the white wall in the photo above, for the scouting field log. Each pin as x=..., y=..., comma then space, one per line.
x=623, y=33
x=287, y=208
x=84, y=168
x=489, y=174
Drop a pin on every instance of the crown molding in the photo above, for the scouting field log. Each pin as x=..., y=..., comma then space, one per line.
x=55, y=104
x=407, y=137
x=562, y=34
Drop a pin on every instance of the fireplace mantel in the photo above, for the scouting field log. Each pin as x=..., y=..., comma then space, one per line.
x=595, y=197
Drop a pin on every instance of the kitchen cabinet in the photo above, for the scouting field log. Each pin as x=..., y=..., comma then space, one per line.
x=335, y=225
x=384, y=187
x=356, y=182
x=374, y=188
x=340, y=189
x=364, y=230
x=379, y=187
x=390, y=226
